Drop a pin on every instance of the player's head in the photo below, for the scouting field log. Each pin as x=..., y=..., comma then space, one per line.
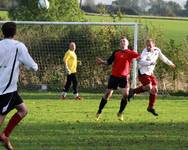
x=9, y=29
x=150, y=44
x=72, y=46
x=124, y=43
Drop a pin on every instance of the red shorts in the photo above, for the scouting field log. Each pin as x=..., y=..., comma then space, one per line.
x=147, y=79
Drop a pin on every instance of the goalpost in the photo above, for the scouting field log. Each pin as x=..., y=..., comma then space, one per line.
x=48, y=41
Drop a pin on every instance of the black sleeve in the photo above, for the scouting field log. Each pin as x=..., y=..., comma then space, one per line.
x=110, y=60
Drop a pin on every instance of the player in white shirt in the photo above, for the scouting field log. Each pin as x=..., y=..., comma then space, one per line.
x=146, y=66
x=12, y=54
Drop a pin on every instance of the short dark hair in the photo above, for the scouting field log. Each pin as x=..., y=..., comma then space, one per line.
x=9, y=29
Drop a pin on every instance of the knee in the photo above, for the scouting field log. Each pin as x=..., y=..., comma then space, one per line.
x=124, y=98
x=153, y=91
x=108, y=94
x=23, y=112
x=147, y=87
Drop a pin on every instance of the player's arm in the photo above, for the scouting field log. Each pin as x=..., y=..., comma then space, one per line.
x=109, y=61
x=79, y=62
x=26, y=59
x=100, y=61
x=65, y=60
x=166, y=60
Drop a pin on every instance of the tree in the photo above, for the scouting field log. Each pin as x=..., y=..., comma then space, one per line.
x=186, y=5
x=127, y=6
x=5, y=4
x=175, y=7
x=89, y=6
x=59, y=10
x=160, y=8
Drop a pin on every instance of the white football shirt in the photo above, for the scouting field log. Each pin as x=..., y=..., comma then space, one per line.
x=148, y=60
x=12, y=54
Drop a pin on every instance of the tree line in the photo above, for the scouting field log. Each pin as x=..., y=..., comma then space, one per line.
x=139, y=7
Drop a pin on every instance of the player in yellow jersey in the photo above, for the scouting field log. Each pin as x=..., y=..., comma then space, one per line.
x=70, y=61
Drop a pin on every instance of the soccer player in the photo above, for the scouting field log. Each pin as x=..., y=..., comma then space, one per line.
x=147, y=63
x=12, y=54
x=121, y=60
x=70, y=61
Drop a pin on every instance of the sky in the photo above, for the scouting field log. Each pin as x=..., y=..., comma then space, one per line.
x=182, y=2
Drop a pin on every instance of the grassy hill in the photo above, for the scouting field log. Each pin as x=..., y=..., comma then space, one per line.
x=4, y=15
x=172, y=28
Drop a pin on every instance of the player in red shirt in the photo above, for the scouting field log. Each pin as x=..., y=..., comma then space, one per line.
x=121, y=60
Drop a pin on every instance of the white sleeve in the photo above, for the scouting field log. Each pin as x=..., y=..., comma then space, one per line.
x=26, y=59
x=164, y=58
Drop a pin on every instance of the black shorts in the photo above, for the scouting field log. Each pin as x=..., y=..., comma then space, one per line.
x=115, y=82
x=9, y=101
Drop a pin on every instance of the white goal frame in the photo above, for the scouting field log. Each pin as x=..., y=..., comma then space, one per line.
x=132, y=24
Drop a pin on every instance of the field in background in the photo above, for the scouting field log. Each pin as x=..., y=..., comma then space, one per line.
x=172, y=29
x=4, y=15
x=53, y=124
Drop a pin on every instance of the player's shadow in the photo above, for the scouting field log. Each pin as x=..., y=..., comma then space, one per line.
x=102, y=135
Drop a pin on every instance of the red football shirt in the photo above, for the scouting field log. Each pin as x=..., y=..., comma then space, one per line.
x=121, y=60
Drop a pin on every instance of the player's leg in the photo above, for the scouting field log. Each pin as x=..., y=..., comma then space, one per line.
x=4, y=139
x=123, y=84
x=146, y=86
x=153, y=96
x=112, y=85
x=2, y=118
x=75, y=87
x=13, y=101
x=66, y=87
x=103, y=102
x=16, y=118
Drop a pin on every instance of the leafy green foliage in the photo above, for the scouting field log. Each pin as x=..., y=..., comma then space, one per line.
x=59, y=10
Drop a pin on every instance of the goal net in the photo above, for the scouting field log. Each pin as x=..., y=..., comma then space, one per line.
x=47, y=43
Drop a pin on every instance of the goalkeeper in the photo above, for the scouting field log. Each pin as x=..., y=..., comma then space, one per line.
x=70, y=61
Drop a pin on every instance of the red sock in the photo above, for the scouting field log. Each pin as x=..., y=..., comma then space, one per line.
x=152, y=99
x=11, y=124
x=139, y=90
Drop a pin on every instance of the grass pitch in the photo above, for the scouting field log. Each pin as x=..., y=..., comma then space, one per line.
x=54, y=124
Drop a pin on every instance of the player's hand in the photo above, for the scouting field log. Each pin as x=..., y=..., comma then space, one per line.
x=79, y=63
x=67, y=71
x=99, y=61
x=173, y=66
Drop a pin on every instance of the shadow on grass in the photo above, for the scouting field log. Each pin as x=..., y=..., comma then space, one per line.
x=101, y=135
x=56, y=96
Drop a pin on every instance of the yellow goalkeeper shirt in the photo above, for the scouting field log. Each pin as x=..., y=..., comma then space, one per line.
x=70, y=60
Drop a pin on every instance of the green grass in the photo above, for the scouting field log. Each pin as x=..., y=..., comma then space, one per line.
x=172, y=28
x=4, y=15
x=53, y=124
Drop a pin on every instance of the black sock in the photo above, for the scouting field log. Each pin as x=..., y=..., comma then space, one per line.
x=101, y=105
x=123, y=104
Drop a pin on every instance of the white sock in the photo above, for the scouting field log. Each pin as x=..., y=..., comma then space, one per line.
x=64, y=94
x=75, y=95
